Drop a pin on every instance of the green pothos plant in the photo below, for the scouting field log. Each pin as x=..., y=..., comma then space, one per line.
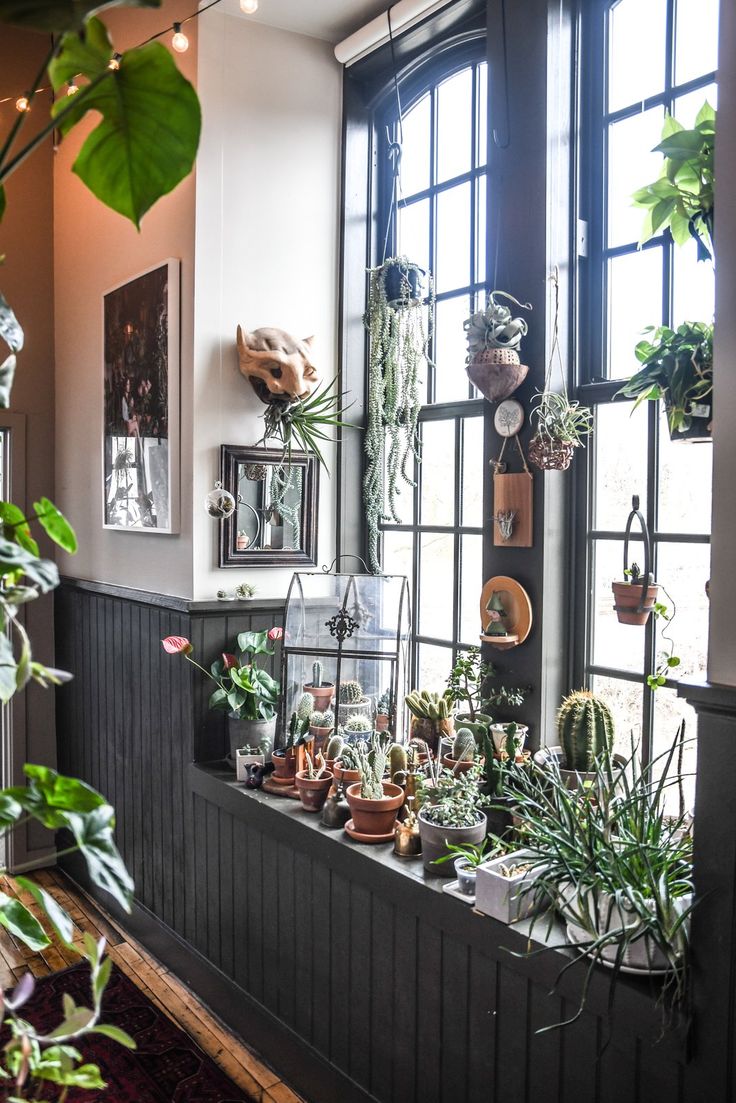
x=143, y=145
x=398, y=326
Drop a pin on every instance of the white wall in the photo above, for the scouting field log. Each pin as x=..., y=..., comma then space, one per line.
x=722, y=643
x=95, y=249
x=267, y=244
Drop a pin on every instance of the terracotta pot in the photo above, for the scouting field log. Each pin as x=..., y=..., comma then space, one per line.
x=375, y=817
x=313, y=791
x=284, y=762
x=628, y=599
x=430, y=731
x=382, y=722
x=457, y=766
x=320, y=737
x=322, y=695
x=345, y=777
x=496, y=373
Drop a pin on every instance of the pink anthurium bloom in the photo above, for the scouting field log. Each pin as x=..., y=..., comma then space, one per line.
x=229, y=661
x=275, y=633
x=177, y=645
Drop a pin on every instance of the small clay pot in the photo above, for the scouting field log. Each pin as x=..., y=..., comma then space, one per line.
x=313, y=791
x=322, y=695
x=284, y=762
x=458, y=766
x=382, y=722
x=375, y=817
x=345, y=777
x=628, y=601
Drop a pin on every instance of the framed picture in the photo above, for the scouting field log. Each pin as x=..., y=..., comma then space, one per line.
x=140, y=439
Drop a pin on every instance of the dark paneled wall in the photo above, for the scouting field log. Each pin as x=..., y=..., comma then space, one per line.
x=355, y=977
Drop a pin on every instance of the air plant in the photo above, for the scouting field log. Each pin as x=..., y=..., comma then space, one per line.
x=303, y=421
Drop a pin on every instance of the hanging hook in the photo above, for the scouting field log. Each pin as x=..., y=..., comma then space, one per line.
x=505, y=143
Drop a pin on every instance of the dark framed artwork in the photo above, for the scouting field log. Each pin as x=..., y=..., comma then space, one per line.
x=275, y=520
x=140, y=440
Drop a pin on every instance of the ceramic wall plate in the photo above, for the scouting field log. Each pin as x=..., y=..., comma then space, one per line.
x=504, y=600
x=508, y=418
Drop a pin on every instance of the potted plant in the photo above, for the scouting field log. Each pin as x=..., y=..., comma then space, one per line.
x=383, y=711
x=585, y=730
x=358, y=725
x=347, y=769
x=352, y=701
x=509, y=738
x=472, y=693
x=463, y=753
x=682, y=198
x=333, y=750
x=560, y=426
x=450, y=813
x=467, y=857
x=246, y=692
x=322, y=692
x=677, y=366
x=313, y=783
x=374, y=803
x=321, y=724
x=431, y=717
x=494, y=342
x=285, y=759
x=503, y=884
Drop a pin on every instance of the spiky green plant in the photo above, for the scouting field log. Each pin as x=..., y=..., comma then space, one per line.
x=350, y=693
x=303, y=421
x=322, y=719
x=334, y=748
x=358, y=724
x=585, y=729
x=316, y=675
x=397, y=759
x=305, y=707
x=372, y=766
x=463, y=747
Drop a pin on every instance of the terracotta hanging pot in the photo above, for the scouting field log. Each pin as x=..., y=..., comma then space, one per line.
x=632, y=605
x=496, y=373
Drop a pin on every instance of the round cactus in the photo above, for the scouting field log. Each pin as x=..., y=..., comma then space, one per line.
x=334, y=748
x=359, y=724
x=305, y=706
x=397, y=760
x=322, y=719
x=463, y=747
x=350, y=693
x=585, y=729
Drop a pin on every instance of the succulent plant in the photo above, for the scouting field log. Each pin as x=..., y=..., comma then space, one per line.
x=358, y=724
x=383, y=706
x=463, y=748
x=322, y=719
x=350, y=693
x=305, y=707
x=316, y=675
x=297, y=730
x=372, y=766
x=349, y=756
x=428, y=706
x=585, y=729
x=397, y=758
x=334, y=748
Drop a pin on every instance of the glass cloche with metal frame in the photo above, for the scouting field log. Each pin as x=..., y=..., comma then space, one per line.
x=346, y=642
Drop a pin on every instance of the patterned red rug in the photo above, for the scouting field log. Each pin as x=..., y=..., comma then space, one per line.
x=167, y=1066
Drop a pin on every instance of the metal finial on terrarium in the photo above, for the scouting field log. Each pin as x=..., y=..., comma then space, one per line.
x=219, y=503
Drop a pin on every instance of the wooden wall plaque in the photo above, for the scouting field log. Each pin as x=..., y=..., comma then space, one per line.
x=515, y=493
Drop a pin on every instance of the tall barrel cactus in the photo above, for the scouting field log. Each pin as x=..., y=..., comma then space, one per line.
x=585, y=729
x=316, y=675
x=305, y=706
x=350, y=693
x=463, y=747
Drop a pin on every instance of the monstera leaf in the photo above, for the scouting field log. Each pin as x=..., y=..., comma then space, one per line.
x=54, y=16
x=147, y=139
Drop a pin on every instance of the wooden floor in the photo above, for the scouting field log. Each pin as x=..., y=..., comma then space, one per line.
x=240, y=1063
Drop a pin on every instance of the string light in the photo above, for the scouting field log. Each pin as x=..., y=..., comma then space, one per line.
x=114, y=62
x=22, y=104
x=179, y=41
x=249, y=7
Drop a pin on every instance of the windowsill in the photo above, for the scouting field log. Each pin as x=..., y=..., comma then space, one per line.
x=402, y=880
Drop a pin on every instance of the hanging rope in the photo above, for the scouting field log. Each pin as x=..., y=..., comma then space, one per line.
x=395, y=146
x=505, y=53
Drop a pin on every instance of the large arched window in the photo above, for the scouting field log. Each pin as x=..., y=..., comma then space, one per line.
x=643, y=58
x=440, y=224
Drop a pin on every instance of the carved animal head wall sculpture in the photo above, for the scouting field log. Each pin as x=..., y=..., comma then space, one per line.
x=277, y=364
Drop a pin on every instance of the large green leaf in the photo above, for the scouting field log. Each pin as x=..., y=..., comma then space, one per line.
x=15, y=527
x=59, y=919
x=21, y=922
x=55, y=525
x=148, y=137
x=14, y=558
x=10, y=810
x=93, y=833
x=50, y=797
x=54, y=16
x=8, y=668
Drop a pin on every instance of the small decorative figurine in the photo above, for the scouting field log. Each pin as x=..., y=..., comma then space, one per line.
x=277, y=363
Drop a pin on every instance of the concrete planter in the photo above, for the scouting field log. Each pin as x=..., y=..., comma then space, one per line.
x=498, y=895
x=250, y=733
x=435, y=838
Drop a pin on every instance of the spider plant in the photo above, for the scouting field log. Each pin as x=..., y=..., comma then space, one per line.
x=557, y=418
x=304, y=421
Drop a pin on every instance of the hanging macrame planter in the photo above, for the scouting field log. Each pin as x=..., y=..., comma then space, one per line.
x=398, y=319
x=494, y=342
x=559, y=424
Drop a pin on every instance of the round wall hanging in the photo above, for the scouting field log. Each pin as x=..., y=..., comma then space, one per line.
x=505, y=612
x=508, y=418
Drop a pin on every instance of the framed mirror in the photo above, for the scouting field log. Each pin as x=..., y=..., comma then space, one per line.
x=275, y=522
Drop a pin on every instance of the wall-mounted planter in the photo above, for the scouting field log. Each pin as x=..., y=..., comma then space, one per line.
x=498, y=895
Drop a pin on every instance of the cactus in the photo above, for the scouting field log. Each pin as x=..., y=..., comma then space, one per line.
x=305, y=706
x=398, y=763
x=334, y=748
x=463, y=748
x=384, y=703
x=428, y=706
x=372, y=766
x=585, y=730
x=297, y=730
x=316, y=675
x=358, y=724
x=322, y=719
x=350, y=693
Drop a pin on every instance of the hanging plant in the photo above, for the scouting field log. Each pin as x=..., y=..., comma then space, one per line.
x=560, y=426
x=400, y=302
x=494, y=341
x=303, y=421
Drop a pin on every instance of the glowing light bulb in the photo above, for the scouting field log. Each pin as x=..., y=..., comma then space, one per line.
x=249, y=7
x=73, y=87
x=180, y=42
x=22, y=104
x=114, y=62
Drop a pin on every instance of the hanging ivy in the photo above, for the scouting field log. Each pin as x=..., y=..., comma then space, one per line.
x=398, y=320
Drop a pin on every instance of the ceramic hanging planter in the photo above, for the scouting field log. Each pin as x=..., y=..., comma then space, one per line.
x=405, y=284
x=494, y=340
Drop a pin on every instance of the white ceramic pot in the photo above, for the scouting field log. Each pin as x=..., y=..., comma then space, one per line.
x=499, y=734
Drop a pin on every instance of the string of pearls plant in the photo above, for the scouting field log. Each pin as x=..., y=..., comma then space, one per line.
x=398, y=320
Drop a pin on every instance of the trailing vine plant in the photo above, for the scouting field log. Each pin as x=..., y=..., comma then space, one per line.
x=399, y=325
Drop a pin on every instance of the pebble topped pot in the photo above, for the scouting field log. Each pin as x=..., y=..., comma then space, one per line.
x=375, y=817
x=435, y=839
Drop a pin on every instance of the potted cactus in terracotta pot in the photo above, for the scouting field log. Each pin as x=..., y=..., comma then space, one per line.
x=321, y=726
x=313, y=783
x=431, y=717
x=374, y=803
x=322, y=692
x=286, y=759
x=463, y=752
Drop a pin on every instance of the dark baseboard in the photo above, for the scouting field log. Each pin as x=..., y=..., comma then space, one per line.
x=292, y=1059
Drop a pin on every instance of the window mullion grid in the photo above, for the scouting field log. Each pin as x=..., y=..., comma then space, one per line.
x=432, y=206
x=457, y=540
x=416, y=562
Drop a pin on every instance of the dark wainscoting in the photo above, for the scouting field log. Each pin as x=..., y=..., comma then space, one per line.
x=356, y=978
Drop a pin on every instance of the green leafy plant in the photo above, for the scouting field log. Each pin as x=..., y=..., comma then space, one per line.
x=677, y=366
x=453, y=800
x=475, y=855
x=556, y=418
x=304, y=422
x=470, y=686
x=681, y=199
x=244, y=689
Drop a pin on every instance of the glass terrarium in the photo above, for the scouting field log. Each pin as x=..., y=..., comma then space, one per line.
x=346, y=641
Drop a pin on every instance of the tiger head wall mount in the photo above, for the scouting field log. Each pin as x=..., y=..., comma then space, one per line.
x=278, y=365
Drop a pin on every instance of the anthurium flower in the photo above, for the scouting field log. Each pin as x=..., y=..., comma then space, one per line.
x=229, y=660
x=275, y=633
x=177, y=645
